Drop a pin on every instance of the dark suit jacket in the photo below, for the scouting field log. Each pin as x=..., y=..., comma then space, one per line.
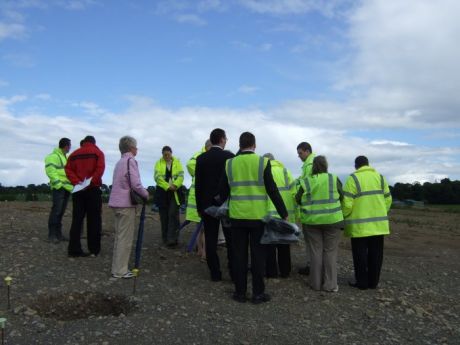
x=210, y=166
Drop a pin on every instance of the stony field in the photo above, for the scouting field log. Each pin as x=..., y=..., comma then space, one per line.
x=59, y=300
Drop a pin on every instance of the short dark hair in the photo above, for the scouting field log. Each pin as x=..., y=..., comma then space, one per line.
x=247, y=139
x=216, y=135
x=304, y=146
x=82, y=141
x=64, y=142
x=361, y=161
x=166, y=148
x=89, y=139
x=319, y=165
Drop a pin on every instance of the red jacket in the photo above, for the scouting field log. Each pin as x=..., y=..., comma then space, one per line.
x=87, y=161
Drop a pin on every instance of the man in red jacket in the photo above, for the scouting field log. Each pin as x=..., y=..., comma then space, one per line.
x=86, y=162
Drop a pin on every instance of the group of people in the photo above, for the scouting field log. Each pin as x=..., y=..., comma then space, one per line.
x=253, y=187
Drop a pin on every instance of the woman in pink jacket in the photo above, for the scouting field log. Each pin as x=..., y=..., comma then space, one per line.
x=120, y=202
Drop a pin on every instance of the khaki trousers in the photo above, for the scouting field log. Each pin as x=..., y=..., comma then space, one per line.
x=323, y=246
x=125, y=219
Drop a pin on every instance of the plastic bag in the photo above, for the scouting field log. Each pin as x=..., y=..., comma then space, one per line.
x=279, y=231
x=219, y=212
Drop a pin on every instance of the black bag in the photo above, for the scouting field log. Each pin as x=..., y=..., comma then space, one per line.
x=136, y=198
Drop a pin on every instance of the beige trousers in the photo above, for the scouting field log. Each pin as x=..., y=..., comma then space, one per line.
x=125, y=219
x=323, y=246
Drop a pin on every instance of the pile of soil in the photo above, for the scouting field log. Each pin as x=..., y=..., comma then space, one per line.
x=61, y=300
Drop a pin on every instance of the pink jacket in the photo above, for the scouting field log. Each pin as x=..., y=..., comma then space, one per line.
x=119, y=195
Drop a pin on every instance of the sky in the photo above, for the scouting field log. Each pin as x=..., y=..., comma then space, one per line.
x=378, y=78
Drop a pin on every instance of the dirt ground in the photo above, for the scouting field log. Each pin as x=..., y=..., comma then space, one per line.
x=59, y=300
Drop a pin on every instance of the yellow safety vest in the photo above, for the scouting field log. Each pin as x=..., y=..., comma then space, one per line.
x=248, y=197
x=286, y=186
x=55, y=170
x=320, y=201
x=177, y=173
x=366, y=203
x=191, y=213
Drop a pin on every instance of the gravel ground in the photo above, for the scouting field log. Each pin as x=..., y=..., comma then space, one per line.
x=61, y=300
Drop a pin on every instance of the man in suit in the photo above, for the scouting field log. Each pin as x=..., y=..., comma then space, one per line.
x=210, y=167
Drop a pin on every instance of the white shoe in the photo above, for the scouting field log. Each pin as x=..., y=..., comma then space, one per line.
x=127, y=275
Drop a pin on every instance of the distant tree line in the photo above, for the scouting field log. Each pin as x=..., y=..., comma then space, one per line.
x=444, y=192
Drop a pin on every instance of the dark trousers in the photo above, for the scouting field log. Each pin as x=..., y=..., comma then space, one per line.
x=87, y=203
x=60, y=199
x=278, y=258
x=169, y=219
x=241, y=238
x=367, y=260
x=211, y=232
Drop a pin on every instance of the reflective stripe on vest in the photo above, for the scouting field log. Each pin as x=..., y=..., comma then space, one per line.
x=366, y=220
x=359, y=193
x=309, y=201
x=248, y=198
x=258, y=182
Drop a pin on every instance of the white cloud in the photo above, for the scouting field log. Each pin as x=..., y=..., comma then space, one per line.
x=247, y=89
x=406, y=57
x=186, y=129
x=285, y=7
x=11, y=30
x=91, y=108
x=43, y=96
x=389, y=142
x=190, y=19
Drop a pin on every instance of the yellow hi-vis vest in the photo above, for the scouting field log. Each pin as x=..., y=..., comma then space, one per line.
x=286, y=186
x=177, y=173
x=320, y=201
x=55, y=170
x=366, y=202
x=248, y=197
x=191, y=213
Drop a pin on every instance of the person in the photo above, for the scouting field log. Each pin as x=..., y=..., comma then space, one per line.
x=279, y=255
x=60, y=188
x=306, y=155
x=246, y=182
x=169, y=176
x=124, y=210
x=365, y=207
x=191, y=213
x=209, y=170
x=87, y=162
x=319, y=196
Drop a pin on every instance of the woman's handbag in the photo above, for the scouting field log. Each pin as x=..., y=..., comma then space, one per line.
x=136, y=198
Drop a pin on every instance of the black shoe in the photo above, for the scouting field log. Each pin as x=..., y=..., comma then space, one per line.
x=355, y=285
x=305, y=271
x=79, y=255
x=262, y=298
x=241, y=298
x=216, y=278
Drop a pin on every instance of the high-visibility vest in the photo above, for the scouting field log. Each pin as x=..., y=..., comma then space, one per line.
x=286, y=186
x=191, y=213
x=320, y=201
x=177, y=173
x=366, y=203
x=55, y=169
x=248, y=197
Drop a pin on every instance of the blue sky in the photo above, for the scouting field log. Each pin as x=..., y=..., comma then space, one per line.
x=378, y=78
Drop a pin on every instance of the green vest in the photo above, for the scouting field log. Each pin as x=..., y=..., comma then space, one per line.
x=191, y=213
x=366, y=203
x=285, y=183
x=320, y=200
x=177, y=175
x=55, y=169
x=248, y=197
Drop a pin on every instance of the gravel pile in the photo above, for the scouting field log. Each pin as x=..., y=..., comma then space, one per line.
x=61, y=300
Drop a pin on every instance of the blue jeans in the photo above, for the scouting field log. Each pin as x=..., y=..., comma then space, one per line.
x=60, y=198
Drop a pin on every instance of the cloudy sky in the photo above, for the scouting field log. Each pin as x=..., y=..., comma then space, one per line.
x=374, y=77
